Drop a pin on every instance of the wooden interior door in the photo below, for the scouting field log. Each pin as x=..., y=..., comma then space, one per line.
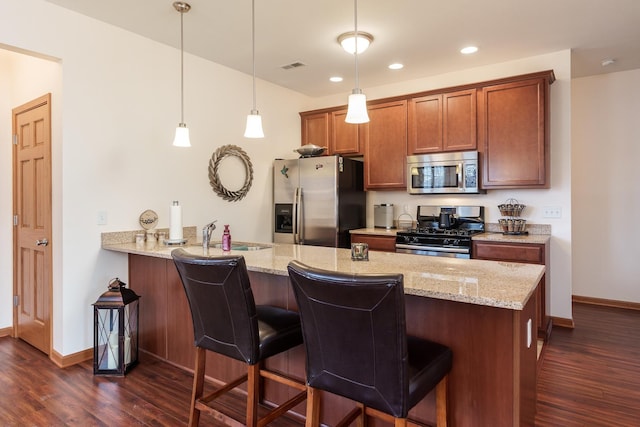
x=32, y=222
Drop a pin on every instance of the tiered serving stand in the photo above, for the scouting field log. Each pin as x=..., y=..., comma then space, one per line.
x=512, y=223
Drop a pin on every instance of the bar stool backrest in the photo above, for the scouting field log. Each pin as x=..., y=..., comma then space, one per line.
x=354, y=331
x=222, y=305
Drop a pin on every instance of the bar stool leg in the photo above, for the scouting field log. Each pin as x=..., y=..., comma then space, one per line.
x=441, y=402
x=313, y=407
x=253, y=395
x=198, y=384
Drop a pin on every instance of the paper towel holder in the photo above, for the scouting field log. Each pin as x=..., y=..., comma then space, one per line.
x=175, y=236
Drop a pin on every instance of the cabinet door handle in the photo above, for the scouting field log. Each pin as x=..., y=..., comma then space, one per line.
x=43, y=242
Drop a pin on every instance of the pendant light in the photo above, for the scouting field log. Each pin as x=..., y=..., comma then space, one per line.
x=182, y=131
x=357, y=108
x=254, y=120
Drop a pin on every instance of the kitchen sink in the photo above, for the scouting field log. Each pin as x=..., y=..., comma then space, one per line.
x=242, y=246
x=237, y=246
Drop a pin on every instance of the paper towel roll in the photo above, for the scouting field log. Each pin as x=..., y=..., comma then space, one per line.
x=175, y=230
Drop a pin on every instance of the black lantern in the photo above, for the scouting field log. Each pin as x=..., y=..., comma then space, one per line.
x=115, y=334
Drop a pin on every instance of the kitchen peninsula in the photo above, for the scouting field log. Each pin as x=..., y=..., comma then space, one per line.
x=483, y=310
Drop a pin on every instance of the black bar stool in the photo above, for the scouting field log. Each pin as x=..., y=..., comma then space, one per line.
x=355, y=336
x=227, y=321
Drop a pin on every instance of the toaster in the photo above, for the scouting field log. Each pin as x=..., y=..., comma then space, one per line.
x=383, y=216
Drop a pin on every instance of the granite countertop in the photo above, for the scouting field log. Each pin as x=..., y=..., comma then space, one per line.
x=488, y=283
x=506, y=238
x=391, y=232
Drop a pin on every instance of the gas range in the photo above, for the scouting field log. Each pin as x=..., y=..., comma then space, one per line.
x=442, y=231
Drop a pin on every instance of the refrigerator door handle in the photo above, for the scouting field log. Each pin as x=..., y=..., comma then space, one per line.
x=298, y=236
x=295, y=216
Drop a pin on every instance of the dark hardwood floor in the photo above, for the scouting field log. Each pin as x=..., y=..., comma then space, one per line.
x=589, y=376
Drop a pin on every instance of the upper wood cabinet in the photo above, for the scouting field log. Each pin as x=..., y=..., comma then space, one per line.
x=328, y=129
x=385, y=148
x=514, y=134
x=345, y=137
x=506, y=120
x=442, y=122
x=315, y=129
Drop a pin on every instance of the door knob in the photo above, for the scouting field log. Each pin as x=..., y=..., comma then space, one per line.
x=43, y=242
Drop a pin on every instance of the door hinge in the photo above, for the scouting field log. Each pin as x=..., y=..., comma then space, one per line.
x=15, y=220
x=15, y=139
x=16, y=300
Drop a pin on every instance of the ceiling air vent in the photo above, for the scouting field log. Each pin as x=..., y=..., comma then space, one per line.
x=293, y=65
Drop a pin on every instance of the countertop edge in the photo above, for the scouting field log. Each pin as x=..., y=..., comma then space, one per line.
x=485, y=283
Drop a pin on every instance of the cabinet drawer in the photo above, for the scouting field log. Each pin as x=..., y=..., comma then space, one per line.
x=528, y=253
x=376, y=243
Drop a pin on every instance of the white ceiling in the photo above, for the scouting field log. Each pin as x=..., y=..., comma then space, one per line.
x=425, y=35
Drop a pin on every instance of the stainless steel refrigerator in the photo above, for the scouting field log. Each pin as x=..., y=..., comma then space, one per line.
x=317, y=200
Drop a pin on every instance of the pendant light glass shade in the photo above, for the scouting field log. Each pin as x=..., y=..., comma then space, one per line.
x=182, y=136
x=254, y=125
x=357, y=107
x=182, y=131
x=254, y=120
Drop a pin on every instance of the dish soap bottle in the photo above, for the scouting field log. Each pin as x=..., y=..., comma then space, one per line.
x=226, y=239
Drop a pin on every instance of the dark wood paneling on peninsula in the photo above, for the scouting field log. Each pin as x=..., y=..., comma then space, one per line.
x=492, y=381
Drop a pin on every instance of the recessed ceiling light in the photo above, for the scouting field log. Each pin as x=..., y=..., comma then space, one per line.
x=335, y=79
x=609, y=61
x=468, y=50
x=396, y=66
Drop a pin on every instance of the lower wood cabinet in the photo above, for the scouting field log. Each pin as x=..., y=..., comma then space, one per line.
x=530, y=253
x=376, y=242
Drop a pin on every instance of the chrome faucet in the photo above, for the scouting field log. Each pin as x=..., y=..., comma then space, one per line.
x=206, y=233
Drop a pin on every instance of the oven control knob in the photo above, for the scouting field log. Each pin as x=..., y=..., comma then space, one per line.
x=414, y=239
x=446, y=242
x=456, y=242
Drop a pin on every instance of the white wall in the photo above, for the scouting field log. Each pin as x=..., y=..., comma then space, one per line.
x=114, y=118
x=558, y=195
x=606, y=196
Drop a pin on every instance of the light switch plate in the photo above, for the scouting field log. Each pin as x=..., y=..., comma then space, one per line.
x=529, y=324
x=102, y=218
x=552, y=212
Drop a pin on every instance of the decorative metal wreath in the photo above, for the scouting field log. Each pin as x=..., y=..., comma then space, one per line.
x=214, y=179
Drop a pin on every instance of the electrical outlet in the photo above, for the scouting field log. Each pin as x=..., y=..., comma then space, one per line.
x=101, y=218
x=529, y=333
x=552, y=212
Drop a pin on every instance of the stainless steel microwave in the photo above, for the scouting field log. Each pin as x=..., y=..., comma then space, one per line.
x=443, y=173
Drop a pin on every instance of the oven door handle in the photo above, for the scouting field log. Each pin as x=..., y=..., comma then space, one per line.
x=432, y=248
